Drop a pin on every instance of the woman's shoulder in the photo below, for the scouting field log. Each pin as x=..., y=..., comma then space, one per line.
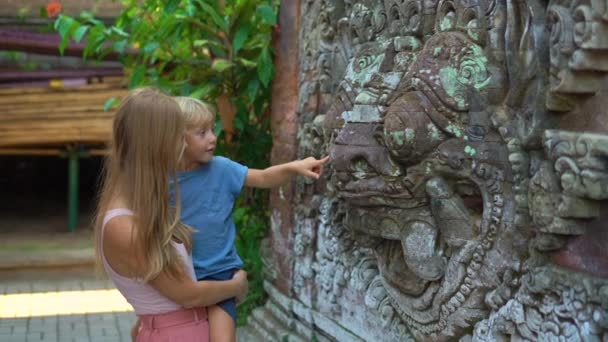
x=120, y=247
x=118, y=233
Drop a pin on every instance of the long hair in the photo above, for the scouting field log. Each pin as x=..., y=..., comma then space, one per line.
x=147, y=142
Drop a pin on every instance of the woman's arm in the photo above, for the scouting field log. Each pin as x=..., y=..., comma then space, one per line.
x=279, y=174
x=190, y=293
x=135, y=330
x=124, y=255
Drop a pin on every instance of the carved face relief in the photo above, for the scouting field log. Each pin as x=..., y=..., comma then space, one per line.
x=441, y=202
x=416, y=164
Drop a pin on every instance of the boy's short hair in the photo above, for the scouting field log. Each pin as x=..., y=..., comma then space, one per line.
x=196, y=112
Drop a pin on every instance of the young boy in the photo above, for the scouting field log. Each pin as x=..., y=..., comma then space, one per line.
x=209, y=186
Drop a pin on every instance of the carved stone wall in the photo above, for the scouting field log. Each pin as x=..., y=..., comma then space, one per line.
x=466, y=194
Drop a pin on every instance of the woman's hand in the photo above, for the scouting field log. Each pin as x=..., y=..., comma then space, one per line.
x=135, y=330
x=240, y=277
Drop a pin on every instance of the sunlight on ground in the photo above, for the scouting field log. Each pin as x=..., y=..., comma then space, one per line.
x=62, y=303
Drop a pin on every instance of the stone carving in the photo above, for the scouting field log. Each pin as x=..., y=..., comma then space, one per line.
x=580, y=162
x=578, y=47
x=450, y=186
x=414, y=143
x=551, y=305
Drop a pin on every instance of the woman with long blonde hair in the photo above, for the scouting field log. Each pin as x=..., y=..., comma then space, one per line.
x=141, y=243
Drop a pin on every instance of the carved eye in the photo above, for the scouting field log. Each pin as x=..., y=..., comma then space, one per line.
x=360, y=167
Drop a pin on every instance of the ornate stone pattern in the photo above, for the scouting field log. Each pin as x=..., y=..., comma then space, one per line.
x=580, y=162
x=578, y=48
x=449, y=187
x=551, y=305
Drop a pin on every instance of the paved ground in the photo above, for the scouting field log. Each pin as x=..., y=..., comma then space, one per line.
x=69, y=304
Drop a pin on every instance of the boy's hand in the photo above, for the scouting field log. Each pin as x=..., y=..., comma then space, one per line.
x=243, y=285
x=311, y=167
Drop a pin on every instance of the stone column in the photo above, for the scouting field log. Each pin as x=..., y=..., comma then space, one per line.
x=284, y=130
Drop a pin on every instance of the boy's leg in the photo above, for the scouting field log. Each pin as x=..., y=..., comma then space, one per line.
x=222, y=327
x=222, y=316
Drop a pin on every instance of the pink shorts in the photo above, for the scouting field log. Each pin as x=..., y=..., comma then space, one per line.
x=187, y=325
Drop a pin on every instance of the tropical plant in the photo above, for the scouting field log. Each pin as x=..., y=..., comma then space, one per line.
x=217, y=51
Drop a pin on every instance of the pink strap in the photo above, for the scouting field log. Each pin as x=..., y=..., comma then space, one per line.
x=112, y=213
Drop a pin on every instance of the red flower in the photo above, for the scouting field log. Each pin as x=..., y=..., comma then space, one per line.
x=53, y=9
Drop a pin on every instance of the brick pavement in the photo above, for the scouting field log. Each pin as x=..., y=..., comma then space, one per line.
x=61, y=305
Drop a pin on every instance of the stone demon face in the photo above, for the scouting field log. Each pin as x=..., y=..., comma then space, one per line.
x=422, y=172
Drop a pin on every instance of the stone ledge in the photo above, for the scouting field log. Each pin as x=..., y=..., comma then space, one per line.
x=47, y=258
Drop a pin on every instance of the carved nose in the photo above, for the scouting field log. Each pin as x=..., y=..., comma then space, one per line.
x=409, y=132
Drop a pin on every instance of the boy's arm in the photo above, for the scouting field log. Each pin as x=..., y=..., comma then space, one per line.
x=279, y=174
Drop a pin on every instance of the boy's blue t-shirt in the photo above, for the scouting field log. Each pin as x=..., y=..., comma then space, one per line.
x=207, y=197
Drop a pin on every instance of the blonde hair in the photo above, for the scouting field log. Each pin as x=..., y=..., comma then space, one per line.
x=144, y=151
x=196, y=112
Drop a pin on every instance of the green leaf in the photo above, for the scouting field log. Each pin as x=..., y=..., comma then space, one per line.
x=239, y=122
x=220, y=64
x=119, y=46
x=62, y=45
x=119, y=32
x=63, y=24
x=218, y=127
x=99, y=41
x=79, y=33
x=171, y=6
x=265, y=67
x=202, y=91
x=217, y=19
x=240, y=37
x=189, y=10
x=95, y=41
x=150, y=47
x=207, y=42
x=165, y=85
x=110, y=103
x=252, y=89
x=267, y=14
x=66, y=26
x=137, y=76
x=247, y=63
x=239, y=213
x=95, y=22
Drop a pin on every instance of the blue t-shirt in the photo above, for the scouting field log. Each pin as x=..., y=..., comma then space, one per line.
x=207, y=197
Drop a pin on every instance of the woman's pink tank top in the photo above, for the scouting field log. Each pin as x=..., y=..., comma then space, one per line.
x=145, y=299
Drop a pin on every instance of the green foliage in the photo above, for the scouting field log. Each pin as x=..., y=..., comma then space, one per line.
x=110, y=103
x=251, y=222
x=22, y=61
x=204, y=49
